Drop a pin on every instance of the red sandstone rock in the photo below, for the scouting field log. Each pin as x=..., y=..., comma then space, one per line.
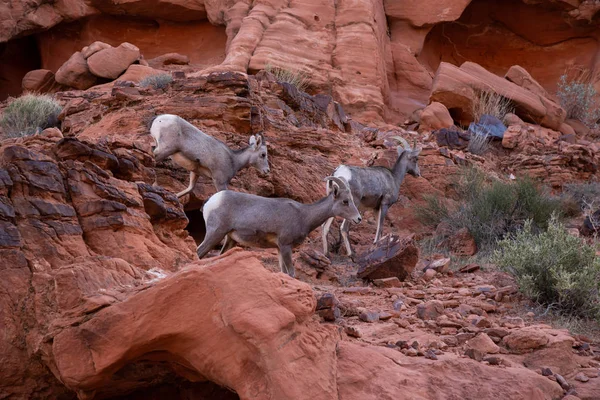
x=390, y=257
x=430, y=310
x=169, y=59
x=483, y=344
x=111, y=62
x=436, y=116
x=457, y=88
x=93, y=48
x=39, y=81
x=525, y=339
x=75, y=73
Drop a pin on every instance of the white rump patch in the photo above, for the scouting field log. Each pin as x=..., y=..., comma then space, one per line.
x=161, y=122
x=343, y=172
x=212, y=204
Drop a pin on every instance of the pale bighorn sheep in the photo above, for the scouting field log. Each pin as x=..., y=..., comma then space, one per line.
x=375, y=188
x=272, y=222
x=199, y=153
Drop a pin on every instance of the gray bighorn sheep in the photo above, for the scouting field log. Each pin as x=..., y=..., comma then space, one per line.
x=199, y=153
x=272, y=222
x=375, y=188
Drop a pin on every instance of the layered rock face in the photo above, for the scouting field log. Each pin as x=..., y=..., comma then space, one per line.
x=376, y=57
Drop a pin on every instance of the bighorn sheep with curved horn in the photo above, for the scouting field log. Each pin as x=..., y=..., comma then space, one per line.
x=199, y=153
x=375, y=188
x=267, y=222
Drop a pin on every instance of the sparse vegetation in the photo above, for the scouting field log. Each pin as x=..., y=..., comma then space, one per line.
x=578, y=97
x=553, y=268
x=479, y=143
x=158, y=81
x=293, y=77
x=491, y=209
x=28, y=113
x=491, y=103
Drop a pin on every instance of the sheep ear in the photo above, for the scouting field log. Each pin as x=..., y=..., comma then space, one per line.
x=336, y=189
x=259, y=141
x=252, y=142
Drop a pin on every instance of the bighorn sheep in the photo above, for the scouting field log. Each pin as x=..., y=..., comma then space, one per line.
x=199, y=153
x=272, y=222
x=375, y=188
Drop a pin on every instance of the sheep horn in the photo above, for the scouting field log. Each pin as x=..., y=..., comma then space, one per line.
x=339, y=181
x=402, y=141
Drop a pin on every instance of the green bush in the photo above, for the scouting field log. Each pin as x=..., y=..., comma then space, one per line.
x=491, y=210
x=579, y=99
x=28, y=113
x=553, y=268
x=158, y=81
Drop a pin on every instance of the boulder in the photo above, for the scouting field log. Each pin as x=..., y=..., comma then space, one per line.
x=483, y=343
x=453, y=138
x=430, y=310
x=38, y=80
x=458, y=87
x=462, y=243
x=111, y=62
x=93, y=48
x=519, y=76
x=436, y=116
x=511, y=137
x=391, y=256
x=75, y=73
x=168, y=59
x=524, y=339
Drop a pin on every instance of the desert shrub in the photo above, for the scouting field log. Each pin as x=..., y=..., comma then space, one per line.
x=158, y=81
x=293, y=77
x=583, y=193
x=28, y=113
x=490, y=210
x=579, y=98
x=479, y=143
x=553, y=268
x=491, y=103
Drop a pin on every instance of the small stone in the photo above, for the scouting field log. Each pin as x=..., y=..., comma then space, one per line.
x=547, y=372
x=430, y=354
x=410, y=352
x=330, y=314
x=357, y=290
x=327, y=300
x=402, y=323
x=387, y=282
x=470, y=268
x=493, y=360
x=483, y=343
x=448, y=331
x=353, y=331
x=474, y=354
x=591, y=372
x=384, y=316
x=369, y=316
x=416, y=294
x=429, y=275
x=581, y=377
x=441, y=265
x=481, y=322
x=562, y=382
x=430, y=310
x=450, y=340
x=398, y=304
x=402, y=344
x=525, y=339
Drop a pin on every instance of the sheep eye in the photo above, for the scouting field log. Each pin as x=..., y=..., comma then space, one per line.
x=263, y=155
x=346, y=202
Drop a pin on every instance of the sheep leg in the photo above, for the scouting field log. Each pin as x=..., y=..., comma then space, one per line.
x=383, y=209
x=193, y=179
x=219, y=185
x=285, y=260
x=345, y=231
x=326, y=226
x=211, y=239
x=228, y=245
